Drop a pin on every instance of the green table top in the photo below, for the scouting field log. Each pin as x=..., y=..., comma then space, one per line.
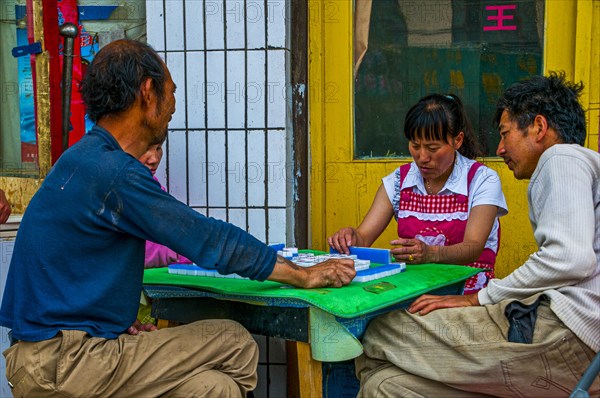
x=346, y=302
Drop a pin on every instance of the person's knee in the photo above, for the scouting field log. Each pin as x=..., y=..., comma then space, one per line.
x=234, y=349
x=217, y=384
x=370, y=387
x=382, y=381
x=234, y=333
x=232, y=336
x=210, y=383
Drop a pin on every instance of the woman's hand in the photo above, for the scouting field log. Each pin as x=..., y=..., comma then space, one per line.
x=343, y=239
x=377, y=219
x=412, y=251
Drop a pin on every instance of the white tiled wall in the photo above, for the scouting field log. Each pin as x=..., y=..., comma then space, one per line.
x=228, y=149
x=229, y=145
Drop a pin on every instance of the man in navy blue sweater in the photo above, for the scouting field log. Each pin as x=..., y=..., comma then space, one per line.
x=75, y=278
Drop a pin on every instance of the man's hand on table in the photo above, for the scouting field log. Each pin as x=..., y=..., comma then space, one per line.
x=331, y=273
x=139, y=327
x=427, y=302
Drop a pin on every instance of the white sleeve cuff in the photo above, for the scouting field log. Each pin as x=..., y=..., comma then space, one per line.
x=483, y=297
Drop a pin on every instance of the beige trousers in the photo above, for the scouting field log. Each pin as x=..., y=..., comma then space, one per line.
x=464, y=352
x=213, y=358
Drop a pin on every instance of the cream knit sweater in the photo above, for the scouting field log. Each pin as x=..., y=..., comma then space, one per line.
x=564, y=210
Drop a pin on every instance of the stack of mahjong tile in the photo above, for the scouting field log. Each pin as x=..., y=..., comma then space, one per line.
x=364, y=271
x=379, y=272
x=194, y=270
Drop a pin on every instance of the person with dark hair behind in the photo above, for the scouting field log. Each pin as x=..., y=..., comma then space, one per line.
x=75, y=278
x=534, y=332
x=447, y=205
x=158, y=255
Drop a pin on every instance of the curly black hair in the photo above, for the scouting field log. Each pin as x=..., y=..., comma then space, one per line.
x=437, y=116
x=551, y=96
x=112, y=82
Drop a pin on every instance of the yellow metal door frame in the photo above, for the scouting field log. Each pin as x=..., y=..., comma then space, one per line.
x=342, y=189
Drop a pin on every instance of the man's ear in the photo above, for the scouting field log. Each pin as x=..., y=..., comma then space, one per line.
x=146, y=91
x=540, y=127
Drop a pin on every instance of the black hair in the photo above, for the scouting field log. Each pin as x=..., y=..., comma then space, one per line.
x=437, y=116
x=112, y=82
x=552, y=97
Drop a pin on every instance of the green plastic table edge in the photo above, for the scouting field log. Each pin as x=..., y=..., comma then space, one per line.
x=293, y=294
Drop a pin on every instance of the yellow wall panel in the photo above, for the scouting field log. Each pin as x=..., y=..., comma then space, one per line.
x=559, y=36
x=350, y=192
x=587, y=64
x=19, y=191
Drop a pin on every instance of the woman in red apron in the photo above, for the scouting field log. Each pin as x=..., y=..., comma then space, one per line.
x=446, y=204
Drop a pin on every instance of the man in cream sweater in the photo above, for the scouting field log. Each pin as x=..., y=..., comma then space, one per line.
x=533, y=333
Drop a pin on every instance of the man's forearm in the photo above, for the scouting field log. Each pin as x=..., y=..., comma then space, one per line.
x=286, y=271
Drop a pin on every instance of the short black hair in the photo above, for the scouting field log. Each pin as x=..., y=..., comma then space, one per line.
x=437, y=116
x=112, y=82
x=551, y=96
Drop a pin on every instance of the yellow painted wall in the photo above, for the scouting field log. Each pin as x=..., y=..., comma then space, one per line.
x=342, y=188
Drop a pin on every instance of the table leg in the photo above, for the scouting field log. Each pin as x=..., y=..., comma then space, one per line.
x=305, y=376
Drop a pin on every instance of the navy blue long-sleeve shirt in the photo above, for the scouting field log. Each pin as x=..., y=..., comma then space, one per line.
x=78, y=259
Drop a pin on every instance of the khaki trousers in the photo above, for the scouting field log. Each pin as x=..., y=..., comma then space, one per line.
x=213, y=358
x=464, y=352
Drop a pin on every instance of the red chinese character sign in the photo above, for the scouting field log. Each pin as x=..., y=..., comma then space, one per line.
x=502, y=16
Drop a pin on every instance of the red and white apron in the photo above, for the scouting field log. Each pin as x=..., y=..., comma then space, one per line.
x=444, y=226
